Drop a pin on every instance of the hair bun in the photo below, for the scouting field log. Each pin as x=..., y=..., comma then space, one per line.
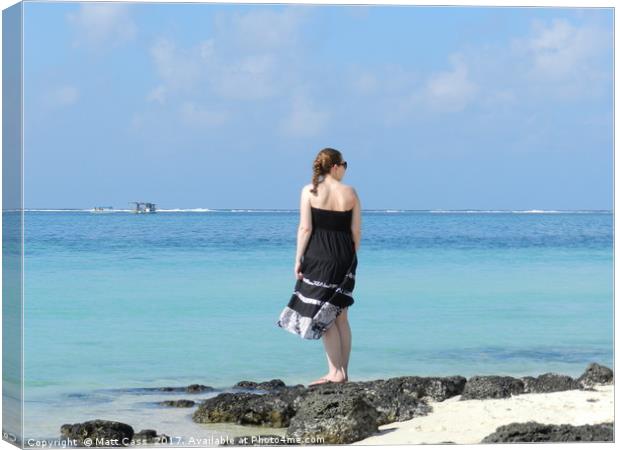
x=324, y=161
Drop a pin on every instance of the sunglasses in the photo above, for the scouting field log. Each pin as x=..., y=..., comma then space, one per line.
x=343, y=163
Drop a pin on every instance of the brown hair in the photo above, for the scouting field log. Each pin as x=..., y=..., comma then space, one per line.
x=324, y=161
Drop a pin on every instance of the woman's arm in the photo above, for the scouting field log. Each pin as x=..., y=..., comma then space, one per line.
x=356, y=220
x=305, y=223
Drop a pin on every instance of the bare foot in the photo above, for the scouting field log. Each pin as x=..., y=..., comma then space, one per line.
x=329, y=379
x=336, y=379
x=321, y=380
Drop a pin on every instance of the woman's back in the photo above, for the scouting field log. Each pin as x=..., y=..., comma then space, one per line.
x=333, y=197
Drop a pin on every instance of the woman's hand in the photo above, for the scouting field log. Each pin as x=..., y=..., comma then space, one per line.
x=297, y=270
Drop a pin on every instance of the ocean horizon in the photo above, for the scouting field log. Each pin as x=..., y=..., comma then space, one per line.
x=467, y=210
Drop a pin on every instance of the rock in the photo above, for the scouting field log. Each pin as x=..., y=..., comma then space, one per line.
x=246, y=384
x=196, y=388
x=549, y=382
x=150, y=437
x=274, y=409
x=398, y=399
x=596, y=374
x=191, y=389
x=537, y=432
x=264, y=386
x=178, y=403
x=260, y=439
x=101, y=433
x=333, y=418
x=394, y=399
x=491, y=386
x=225, y=407
x=435, y=388
x=169, y=389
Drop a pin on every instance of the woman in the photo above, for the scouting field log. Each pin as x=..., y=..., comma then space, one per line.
x=327, y=241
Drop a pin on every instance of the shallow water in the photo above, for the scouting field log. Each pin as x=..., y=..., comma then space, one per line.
x=120, y=301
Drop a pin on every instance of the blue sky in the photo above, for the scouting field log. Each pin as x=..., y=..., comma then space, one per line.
x=226, y=106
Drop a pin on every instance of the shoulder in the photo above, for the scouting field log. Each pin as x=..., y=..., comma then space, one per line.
x=349, y=191
x=306, y=190
x=350, y=194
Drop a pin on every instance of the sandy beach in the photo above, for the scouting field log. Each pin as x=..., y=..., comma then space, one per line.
x=469, y=421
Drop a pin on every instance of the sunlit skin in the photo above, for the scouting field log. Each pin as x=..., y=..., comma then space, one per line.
x=337, y=339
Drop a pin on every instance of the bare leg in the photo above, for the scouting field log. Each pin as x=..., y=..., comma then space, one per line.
x=333, y=349
x=342, y=322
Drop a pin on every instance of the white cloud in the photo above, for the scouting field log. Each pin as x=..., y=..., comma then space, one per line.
x=180, y=69
x=304, y=119
x=251, y=56
x=262, y=29
x=98, y=24
x=450, y=90
x=557, y=48
x=203, y=68
x=554, y=60
x=565, y=59
x=252, y=77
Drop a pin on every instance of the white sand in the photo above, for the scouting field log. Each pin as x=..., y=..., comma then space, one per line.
x=469, y=421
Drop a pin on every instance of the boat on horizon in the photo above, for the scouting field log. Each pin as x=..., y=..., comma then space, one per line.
x=143, y=207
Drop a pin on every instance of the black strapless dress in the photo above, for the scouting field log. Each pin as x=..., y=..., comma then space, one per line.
x=328, y=267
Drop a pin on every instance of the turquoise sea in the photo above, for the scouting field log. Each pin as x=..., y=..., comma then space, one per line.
x=117, y=302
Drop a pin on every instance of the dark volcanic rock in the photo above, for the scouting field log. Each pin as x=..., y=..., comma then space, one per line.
x=435, y=388
x=395, y=399
x=491, y=386
x=596, y=374
x=102, y=433
x=549, y=382
x=150, y=437
x=264, y=386
x=225, y=407
x=537, y=432
x=196, y=388
x=178, y=403
x=391, y=405
x=169, y=389
x=273, y=409
x=333, y=418
x=191, y=389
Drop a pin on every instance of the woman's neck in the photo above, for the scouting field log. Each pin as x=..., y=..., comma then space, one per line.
x=330, y=180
